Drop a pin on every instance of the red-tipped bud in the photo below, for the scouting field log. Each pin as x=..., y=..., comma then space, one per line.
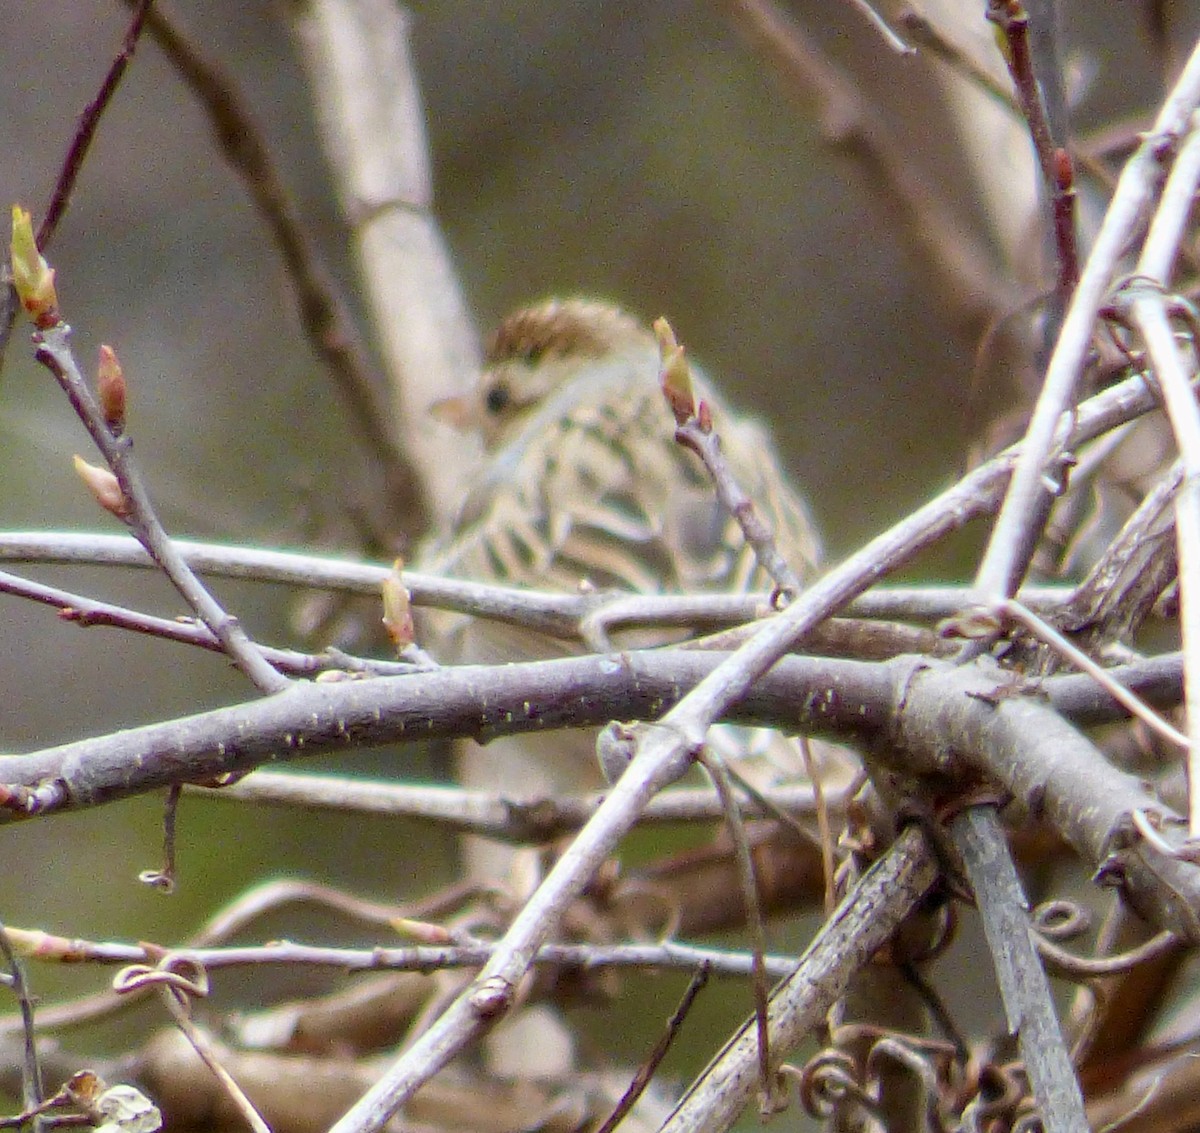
x=1064, y=170
x=397, y=609
x=675, y=376
x=32, y=277
x=110, y=386
x=104, y=486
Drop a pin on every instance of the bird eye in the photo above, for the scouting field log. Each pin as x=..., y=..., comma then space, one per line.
x=497, y=399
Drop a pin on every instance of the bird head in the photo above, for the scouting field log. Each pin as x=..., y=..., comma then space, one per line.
x=531, y=354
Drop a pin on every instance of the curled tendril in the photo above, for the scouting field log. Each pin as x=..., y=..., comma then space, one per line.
x=1064, y=963
x=1000, y=1090
x=922, y=1064
x=931, y=942
x=176, y=970
x=1060, y=919
x=827, y=1081
x=972, y=1120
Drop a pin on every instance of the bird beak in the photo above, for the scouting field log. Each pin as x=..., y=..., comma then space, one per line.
x=459, y=412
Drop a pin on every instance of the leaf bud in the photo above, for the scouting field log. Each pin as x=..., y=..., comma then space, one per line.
x=110, y=388
x=397, y=608
x=675, y=375
x=104, y=486
x=32, y=277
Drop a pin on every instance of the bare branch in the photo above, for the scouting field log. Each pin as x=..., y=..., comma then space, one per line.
x=1023, y=986
x=530, y=821
x=862, y=923
x=361, y=71
x=77, y=151
x=555, y=614
x=1013, y=538
x=961, y=266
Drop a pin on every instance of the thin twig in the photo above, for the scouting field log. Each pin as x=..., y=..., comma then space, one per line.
x=89, y=122
x=652, y=1062
x=178, y=977
x=1145, y=300
x=1032, y=83
x=87, y=612
x=230, y=920
x=470, y=953
x=706, y=444
x=719, y=775
x=1042, y=57
x=879, y=24
x=270, y=896
x=163, y=879
x=32, y=1089
x=81, y=142
x=489, y=814
x=1150, y=316
x=821, y=809
x=960, y=266
x=1075, y=656
x=549, y=612
x=926, y=34
x=861, y=924
x=54, y=352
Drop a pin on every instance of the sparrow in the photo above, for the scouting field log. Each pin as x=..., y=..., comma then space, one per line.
x=582, y=484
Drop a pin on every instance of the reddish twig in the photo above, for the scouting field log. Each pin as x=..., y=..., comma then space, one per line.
x=87, y=612
x=1053, y=158
x=1013, y=21
x=1020, y=521
x=85, y=130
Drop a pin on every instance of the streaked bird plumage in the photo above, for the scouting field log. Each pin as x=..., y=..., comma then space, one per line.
x=583, y=483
